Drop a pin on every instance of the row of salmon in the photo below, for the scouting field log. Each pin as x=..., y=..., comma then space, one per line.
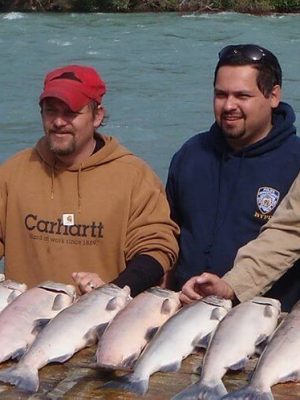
x=230, y=335
x=48, y=323
x=147, y=334
x=73, y=325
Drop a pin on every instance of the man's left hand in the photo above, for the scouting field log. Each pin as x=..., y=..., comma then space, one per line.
x=87, y=281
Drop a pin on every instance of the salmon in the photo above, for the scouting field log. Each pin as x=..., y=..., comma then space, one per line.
x=25, y=316
x=71, y=330
x=130, y=331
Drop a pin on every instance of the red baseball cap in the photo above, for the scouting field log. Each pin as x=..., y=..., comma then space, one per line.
x=75, y=85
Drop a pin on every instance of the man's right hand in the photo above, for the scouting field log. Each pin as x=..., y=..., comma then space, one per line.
x=87, y=281
x=204, y=285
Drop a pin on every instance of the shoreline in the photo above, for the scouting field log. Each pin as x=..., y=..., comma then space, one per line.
x=259, y=8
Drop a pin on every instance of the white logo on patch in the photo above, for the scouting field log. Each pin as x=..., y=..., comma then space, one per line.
x=68, y=219
x=267, y=199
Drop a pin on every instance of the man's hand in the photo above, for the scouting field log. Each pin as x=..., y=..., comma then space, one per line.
x=204, y=285
x=87, y=281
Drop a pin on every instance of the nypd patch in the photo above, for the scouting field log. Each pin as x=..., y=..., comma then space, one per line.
x=267, y=199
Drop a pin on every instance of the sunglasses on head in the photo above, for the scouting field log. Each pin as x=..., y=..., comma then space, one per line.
x=250, y=51
x=253, y=53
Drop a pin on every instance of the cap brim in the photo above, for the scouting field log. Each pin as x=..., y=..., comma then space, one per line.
x=67, y=92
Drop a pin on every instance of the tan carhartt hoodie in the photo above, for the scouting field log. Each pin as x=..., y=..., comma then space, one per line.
x=92, y=217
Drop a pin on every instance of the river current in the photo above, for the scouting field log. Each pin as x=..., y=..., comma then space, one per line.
x=158, y=69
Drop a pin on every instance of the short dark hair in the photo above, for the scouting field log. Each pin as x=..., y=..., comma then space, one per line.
x=269, y=70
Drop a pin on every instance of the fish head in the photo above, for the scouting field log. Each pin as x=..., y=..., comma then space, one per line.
x=268, y=301
x=12, y=285
x=59, y=287
x=171, y=298
x=218, y=301
x=118, y=297
x=66, y=294
x=272, y=306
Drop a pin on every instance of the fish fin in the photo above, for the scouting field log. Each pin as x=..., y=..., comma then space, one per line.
x=198, y=369
x=59, y=302
x=248, y=392
x=23, y=377
x=39, y=324
x=200, y=391
x=100, y=329
x=173, y=367
x=112, y=304
x=292, y=377
x=150, y=333
x=201, y=341
x=91, y=337
x=16, y=355
x=166, y=307
x=12, y=296
x=269, y=311
x=238, y=365
x=127, y=384
x=62, y=358
x=127, y=290
x=218, y=313
x=261, y=343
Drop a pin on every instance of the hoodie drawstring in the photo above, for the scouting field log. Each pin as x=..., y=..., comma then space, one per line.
x=78, y=188
x=52, y=183
x=78, y=185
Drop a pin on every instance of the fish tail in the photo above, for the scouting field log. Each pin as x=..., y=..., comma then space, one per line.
x=199, y=391
x=129, y=385
x=249, y=393
x=23, y=377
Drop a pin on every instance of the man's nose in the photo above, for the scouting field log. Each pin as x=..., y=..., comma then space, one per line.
x=230, y=103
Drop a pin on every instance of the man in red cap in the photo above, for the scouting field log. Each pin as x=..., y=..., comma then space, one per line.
x=79, y=206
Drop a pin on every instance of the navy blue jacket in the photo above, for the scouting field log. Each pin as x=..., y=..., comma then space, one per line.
x=220, y=198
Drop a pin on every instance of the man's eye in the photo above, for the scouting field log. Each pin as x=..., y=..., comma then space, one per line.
x=244, y=96
x=49, y=110
x=220, y=95
x=70, y=114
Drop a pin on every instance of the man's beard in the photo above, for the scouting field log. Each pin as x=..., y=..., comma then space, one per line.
x=68, y=149
x=233, y=135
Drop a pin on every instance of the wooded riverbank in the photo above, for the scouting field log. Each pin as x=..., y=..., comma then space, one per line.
x=258, y=7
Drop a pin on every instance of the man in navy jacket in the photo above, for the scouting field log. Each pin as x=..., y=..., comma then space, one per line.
x=225, y=184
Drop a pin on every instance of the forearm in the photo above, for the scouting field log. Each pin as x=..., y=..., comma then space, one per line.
x=263, y=261
x=141, y=272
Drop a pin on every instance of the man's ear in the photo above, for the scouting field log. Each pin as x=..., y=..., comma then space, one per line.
x=99, y=116
x=275, y=96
